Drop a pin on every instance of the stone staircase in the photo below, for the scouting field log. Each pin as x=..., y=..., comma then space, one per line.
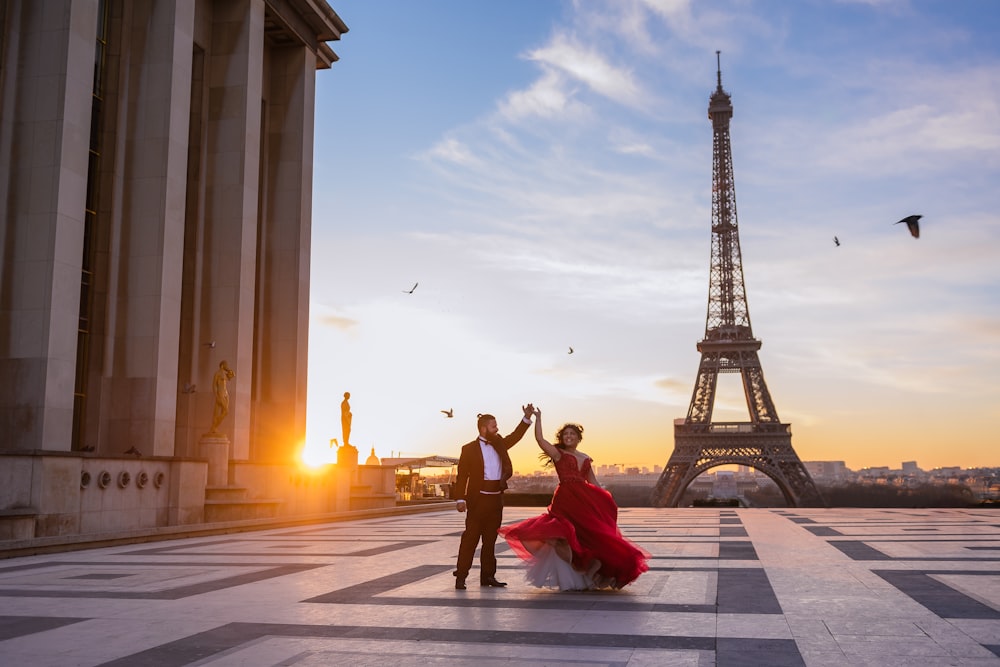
x=230, y=503
x=363, y=497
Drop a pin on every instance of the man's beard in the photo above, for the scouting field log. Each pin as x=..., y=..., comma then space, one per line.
x=493, y=438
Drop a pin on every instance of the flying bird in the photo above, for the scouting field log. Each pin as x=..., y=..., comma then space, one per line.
x=410, y=291
x=449, y=413
x=836, y=241
x=133, y=450
x=912, y=221
x=211, y=345
x=570, y=350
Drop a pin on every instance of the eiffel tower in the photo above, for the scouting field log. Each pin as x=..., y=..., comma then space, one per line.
x=763, y=443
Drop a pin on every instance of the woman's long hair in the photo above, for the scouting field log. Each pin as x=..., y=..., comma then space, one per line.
x=544, y=458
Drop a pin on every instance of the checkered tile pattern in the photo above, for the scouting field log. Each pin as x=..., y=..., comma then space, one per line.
x=726, y=587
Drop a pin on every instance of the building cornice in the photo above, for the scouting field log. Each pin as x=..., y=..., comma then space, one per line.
x=308, y=22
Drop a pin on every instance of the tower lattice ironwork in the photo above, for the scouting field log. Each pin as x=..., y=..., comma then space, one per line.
x=763, y=443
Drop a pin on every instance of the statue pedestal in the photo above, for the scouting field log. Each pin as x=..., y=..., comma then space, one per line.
x=215, y=448
x=347, y=455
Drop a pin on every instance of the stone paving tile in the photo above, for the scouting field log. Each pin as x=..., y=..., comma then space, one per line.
x=726, y=588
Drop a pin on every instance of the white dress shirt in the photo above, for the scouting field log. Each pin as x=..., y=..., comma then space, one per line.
x=491, y=463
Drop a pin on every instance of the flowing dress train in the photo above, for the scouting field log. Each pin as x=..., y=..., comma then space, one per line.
x=576, y=544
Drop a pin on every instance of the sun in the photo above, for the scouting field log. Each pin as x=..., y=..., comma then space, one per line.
x=316, y=456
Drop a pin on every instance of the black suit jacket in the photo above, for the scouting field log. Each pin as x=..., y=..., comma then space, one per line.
x=470, y=464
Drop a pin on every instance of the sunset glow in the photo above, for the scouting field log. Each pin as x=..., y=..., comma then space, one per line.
x=543, y=172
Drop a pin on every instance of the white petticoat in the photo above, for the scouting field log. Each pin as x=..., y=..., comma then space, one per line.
x=547, y=570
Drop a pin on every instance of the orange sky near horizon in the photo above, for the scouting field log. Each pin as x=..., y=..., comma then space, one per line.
x=552, y=188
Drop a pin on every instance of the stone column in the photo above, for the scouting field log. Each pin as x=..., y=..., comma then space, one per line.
x=280, y=367
x=46, y=100
x=146, y=256
x=232, y=174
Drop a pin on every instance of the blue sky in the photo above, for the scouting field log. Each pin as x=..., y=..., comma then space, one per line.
x=543, y=170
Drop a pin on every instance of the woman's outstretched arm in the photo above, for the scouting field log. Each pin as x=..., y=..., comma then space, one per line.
x=554, y=452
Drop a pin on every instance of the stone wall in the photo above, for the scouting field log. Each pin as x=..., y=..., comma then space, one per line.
x=51, y=495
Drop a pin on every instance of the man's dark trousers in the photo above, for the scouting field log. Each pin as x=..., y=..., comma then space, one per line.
x=484, y=514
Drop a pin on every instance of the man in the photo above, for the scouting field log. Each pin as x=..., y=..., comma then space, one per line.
x=483, y=470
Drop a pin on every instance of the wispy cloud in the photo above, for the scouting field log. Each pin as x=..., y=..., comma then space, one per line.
x=591, y=68
x=914, y=117
x=547, y=97
x=678, y=12
x=674, y=385
x=337, y=322
x=452, y=150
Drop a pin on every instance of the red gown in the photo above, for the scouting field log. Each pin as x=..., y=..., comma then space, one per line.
x=581, y=525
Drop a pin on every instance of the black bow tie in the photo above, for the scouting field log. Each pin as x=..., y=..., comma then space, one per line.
x=485, y=442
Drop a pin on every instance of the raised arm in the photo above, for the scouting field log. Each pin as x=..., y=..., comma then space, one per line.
x=554, y=452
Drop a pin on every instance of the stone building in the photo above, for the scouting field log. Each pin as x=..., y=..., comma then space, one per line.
x=156, y=183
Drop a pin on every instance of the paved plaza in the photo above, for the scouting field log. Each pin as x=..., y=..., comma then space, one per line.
x=726, y=587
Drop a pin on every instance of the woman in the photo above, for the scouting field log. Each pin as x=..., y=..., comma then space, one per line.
x=576, y=545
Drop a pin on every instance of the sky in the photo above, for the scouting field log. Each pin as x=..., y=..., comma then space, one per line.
x=541, y=170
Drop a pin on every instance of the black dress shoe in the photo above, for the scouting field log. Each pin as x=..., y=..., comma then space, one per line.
x=460, y=584
x=492, y=582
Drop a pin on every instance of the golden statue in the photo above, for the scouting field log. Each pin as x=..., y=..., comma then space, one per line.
x=220, y=387
x=345, y=417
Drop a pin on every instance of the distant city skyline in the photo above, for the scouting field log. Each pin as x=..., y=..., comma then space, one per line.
x=603, y=469
x=543, y=172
